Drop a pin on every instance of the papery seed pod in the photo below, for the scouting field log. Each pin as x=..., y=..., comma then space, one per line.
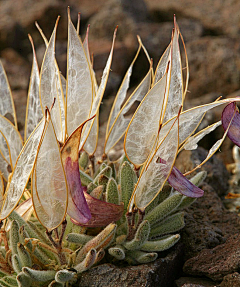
x=83, y=160
x=160, y=245
x=171, y=224
x=87, y=262
x=78, y=238
x=140, y=236
x=102, y=240
x=24, y=280
x=91, y=187
x=112, y=193
x=128, y=179
x=16, y=264
x=39, y=275
x=24, y=256
x=143, y=257
x=117, y=251
x=85, y=178
x=97, y=192
x=14, y=236
x=64, y=275
x=163, y=209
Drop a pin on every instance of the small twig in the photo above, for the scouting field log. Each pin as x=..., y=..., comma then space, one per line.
x=64, y=225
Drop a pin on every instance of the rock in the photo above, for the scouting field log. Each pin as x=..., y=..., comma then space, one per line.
x=217, y=262
x=17, y=69
x=218, y=17
x=232, y=280
x=161, y=272
x=213, y=63
x=194, y=282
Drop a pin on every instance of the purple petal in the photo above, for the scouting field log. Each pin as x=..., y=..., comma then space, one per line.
x=179, y=182
x=102, y=212
x=77, y=204
x=234, y=129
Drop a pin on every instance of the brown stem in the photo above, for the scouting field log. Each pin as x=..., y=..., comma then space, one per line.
x=58, y=247
x=92, y=165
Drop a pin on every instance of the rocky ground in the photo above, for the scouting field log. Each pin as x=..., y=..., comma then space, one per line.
x=208, y=254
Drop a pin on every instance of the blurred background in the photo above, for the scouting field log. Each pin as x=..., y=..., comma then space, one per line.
x=211, y=30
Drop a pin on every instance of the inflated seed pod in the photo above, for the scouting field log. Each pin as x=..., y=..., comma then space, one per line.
x=140, y=237
x=117, y=251
x=39, y=275
x=112, y=193
x=64, y=275
x=85, y=178
x=171, y=224
x=128, y=179
x=162, y=244
x=14, y=236
x=24, y=256
x=83, y=160
x=143, y=257
x=78, y=238
x=163, y=209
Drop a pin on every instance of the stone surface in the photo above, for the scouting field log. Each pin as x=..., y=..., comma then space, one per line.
x=232, y=280
x=194, y=282
x=162, y=273
x=217, y=262
x=217, y=16
x=214, y=65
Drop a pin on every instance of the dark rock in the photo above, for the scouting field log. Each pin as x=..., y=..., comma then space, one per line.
x=232, y=280
x=218, y=17
x=214, y=63
x=208, y=223
x=217, y=262
x=162, y=273
x=194, y=282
